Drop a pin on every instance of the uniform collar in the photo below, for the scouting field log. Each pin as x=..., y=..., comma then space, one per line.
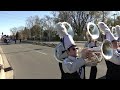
x=114, y=50
x=72, y=58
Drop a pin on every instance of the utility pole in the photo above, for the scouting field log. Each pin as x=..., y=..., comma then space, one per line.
x=103, y=16
x=49, y=35
x=114, y=18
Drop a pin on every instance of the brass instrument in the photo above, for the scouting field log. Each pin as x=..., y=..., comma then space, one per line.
x=63, y=28
x=105, y=49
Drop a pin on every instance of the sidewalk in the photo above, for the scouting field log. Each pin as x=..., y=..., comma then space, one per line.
x=7, y=72
x=2, y=73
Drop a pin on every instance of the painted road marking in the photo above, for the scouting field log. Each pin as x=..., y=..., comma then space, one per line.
x=41, y=52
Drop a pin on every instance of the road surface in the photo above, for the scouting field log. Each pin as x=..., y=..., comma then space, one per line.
x=37, y=62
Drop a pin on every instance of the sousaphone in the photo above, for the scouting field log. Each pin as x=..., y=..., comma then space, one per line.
x=105, y=49
x=60, y=53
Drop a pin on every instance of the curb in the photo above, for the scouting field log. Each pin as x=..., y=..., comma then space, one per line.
x=49, y=44
x=2, y=73
x=8, y=71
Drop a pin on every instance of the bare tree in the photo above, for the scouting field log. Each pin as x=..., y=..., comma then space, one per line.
x=25, y=33
x=78, y=19
x=47, y=24
x=33, y=24
x=13, y=31
x=20, y=30
x=30, y=24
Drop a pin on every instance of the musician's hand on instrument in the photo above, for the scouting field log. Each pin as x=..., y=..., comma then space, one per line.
x=86, y=53
x=90, y=55
x=91, y=63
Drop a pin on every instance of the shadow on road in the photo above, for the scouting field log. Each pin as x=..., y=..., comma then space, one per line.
x=21, y=51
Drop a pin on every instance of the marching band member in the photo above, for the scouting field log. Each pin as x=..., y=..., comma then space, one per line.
x=90, y=44
x=113, y=65
x=73, y=65
x=60, y=50
x=118, y=33
x=61, y=55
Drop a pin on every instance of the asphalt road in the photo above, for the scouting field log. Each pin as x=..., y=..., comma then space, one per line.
x=32, y=61
x=37, y=62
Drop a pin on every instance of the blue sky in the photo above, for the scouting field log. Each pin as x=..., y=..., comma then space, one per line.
x=10, y=19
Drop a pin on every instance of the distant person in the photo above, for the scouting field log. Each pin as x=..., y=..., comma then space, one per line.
x=20, y=40
x=15, y=40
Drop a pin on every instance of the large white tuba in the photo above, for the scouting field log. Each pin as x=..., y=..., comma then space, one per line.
x=105, y=49
x=69, y=28
x=93, y=30
x=93, y=33
x=63, y=28
x=109, y=34
x=103, y=28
